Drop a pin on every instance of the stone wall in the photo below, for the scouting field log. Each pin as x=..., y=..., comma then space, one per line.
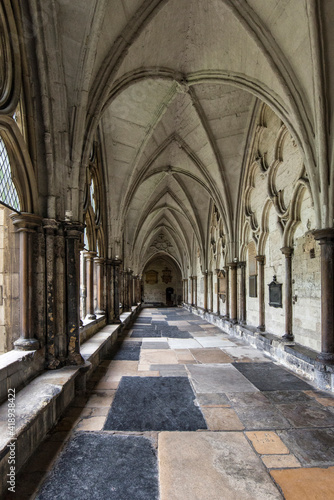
x=155, y=292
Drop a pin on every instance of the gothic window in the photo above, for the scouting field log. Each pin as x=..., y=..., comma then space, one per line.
x=8, y=193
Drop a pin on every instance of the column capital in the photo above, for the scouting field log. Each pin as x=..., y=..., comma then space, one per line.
x=287, y=251
x=115, y=262
x=73, y=229
x=99, y=260
x=260, y=259
x=89, y=254
x=51, y=225
x=232, y=265
x=26, y=221
x=324, y=235
x=241, y=264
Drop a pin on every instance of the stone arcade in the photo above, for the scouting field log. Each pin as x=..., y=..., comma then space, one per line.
x=166, y=223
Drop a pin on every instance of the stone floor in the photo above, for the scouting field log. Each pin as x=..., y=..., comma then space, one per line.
x=184, y=412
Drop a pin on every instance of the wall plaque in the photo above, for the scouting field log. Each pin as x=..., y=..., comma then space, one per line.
x=275, y=293
x=166, y=276
x=221, y=282
x=151, y=277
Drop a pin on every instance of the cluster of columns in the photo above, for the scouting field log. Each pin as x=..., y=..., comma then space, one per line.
x=49, y=262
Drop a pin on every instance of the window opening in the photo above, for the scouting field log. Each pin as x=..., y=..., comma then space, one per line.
x=8, y=193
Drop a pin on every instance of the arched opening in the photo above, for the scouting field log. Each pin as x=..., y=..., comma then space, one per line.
x=162, y=282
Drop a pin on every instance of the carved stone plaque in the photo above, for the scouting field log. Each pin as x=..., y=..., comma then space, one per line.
x=151, y=277
x=275, y=293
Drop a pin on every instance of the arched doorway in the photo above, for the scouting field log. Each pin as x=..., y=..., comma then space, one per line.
x=162, y=282
x=170, y=296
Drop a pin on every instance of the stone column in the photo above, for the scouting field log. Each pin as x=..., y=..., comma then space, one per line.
x=205, y=276
x=109, y=290
x=326, y=240
x=192, y=290
x=227, y=273
x=116, y=262
x=99, y=265
x=211, y=291
x=261, y=260
x=195, y=290
x=234, y=301
x=218, y=300
x=287, y=251
x=242, y=294
x=51, y=227
x=26, y=225
x=83, y=282
x=89, y=256
x=130, y=288
x=73, y=232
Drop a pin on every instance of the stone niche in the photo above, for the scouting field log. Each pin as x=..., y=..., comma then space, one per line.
x=162, y=283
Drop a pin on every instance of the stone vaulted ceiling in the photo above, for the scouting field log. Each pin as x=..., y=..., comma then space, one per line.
x=174, y=86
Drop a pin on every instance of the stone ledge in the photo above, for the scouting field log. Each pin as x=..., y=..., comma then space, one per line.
x=41, y=403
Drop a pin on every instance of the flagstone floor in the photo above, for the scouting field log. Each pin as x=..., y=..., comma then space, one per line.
x=183, y=412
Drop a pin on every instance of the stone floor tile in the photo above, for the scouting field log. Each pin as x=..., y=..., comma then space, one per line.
x=283, y=397
x=222, y=419
x=91, y=424
x=211, y=356
x=212, y=342
x=267, y=443
x=211, y=466
x=246, y=354
x=306, y=484
x=183, y=344
x=156, y=345
x=263, y=417
x=171, y=370
x=212, y=399
x=248, y=398
x=99, y=401
x=184, y=354
x=218, y=378
x=105, y=383
x=158, y=357
x=312, y=447
x=280, y=461
x=26, y=486
x=307, y=415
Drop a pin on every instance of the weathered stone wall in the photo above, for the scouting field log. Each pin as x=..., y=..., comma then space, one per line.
x=156, y=292
x=9, y=282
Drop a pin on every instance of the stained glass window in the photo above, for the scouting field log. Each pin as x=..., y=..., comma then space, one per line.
x=8, y=193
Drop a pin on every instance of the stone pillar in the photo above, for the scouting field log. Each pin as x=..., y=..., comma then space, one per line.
x=130, y=288
x=227, y=272
x=83, y=283
x=116, y=262
x=195, y=290
x=99, y=265
x=205, y=276
x=192, y=290
x=73, y=232
x=211, y=291
x=218, y=300
x=287, y=251
x=110, y=292
x=242, y=293
x=26, y=225
x=89, y=256
x=326, y=240
x=234, y=301
x=51, y=227
x=261, y=260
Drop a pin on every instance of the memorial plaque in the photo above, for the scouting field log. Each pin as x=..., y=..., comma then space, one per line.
x=275, y=293
x=151, y=277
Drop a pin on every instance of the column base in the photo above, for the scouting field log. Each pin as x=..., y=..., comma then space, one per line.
x=261, y=328
x=90, y=316
x=100, y=312
x=26, y=344
x=326, y=357
x=288, y=337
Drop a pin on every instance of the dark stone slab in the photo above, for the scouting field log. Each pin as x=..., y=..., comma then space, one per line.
x=307, y=414
x=264, y=417
x=174, y=333
x=170, y=370
x=270, y=377
x=129, y=351
x=248, y=398
x=313, y=447
x=284, y=397
x=154, y=404
x=145, y=333
x=104, y=466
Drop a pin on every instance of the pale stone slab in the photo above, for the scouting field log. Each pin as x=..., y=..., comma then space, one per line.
x=184, y=356
x=178, y=323
x=97, y=401
x=91, y=424
x=211, y=466
x=246, y=353
x=183, y=344
x=159, y=356
x=213, y=342
x=307, y=484
x=267, y=443
x=280, y=461
x=211, y=356
x=222, y=419
x=153, y=339
x=219, y=378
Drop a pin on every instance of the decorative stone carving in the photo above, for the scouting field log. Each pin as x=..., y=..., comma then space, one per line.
x=162, y=243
